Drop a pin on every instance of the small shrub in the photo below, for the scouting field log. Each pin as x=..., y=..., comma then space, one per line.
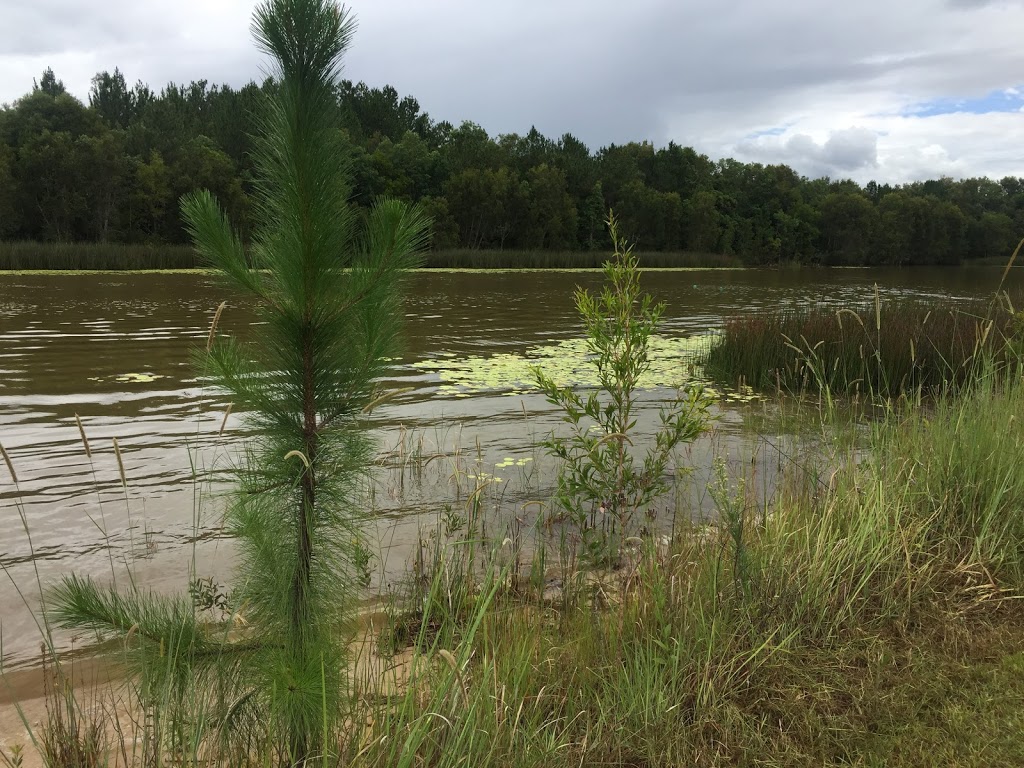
x=600, y=485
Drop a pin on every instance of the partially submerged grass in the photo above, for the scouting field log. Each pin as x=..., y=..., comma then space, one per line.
x=870, y=617
x=868, y=614
x=890, y=348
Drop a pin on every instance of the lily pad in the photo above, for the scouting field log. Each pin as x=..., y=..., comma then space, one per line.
x=137, y=378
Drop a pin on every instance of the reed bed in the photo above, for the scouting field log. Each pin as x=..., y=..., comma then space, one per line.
x=489, y=259
x=95, y=256
x=890, y=348
x=121, y=256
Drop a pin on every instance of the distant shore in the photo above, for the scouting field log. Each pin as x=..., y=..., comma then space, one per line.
x=56, y=258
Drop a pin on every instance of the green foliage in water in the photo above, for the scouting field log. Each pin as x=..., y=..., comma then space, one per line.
x=600, y=485
x=327, y=290
x=670, y=364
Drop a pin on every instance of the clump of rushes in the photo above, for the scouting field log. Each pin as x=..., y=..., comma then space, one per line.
x=888, y=349
x=327, y=290
x=601, y=486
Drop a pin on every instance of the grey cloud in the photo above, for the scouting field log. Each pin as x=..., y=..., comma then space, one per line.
x=851, y=149
x=974, y=4
x=845, y=151
x=666, y=70
x=48, y=27
x=570, y=67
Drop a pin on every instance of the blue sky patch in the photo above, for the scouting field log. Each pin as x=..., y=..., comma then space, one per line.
x=776, y=131
x=1004, y=100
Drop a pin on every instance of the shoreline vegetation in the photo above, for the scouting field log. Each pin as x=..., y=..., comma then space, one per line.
x=75, y=258
x=114, y=257
x=869, y=613
x=894, y=348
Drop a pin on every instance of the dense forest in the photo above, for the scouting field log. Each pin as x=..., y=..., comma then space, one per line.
x=113, y=171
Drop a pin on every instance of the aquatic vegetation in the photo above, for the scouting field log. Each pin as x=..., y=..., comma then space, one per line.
x=674, y=361
x=566, y=361
x=485, y=477
x=133, y=378
x=511, y=259
x=883, y=593
x=885, y=349
x=887, y=604
x=510, y=462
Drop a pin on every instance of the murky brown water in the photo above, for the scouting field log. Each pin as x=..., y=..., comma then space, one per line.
x=68, y=343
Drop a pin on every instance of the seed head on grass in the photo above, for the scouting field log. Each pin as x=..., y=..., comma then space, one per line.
x=85, y=440
x=9, y=463
x=120, y=464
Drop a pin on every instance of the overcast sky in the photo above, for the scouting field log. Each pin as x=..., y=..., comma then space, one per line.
x=892, y=90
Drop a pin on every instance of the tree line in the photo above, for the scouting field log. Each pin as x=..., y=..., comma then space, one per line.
x=114, y=169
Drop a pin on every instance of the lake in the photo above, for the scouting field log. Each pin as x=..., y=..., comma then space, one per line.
x=115, y=350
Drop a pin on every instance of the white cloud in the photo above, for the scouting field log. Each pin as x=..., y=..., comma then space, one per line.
x=897, y=148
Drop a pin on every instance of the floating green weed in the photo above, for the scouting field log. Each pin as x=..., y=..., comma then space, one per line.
x=130, y=378
x=510, y=462
x=673, y=363
x=137, y=378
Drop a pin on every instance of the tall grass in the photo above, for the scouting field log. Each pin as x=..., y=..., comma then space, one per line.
x=886, y=349
x=813, y=628
x=960, y=468
x=95, y=256
x=467, y=258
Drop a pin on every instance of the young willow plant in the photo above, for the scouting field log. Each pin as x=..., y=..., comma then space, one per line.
x=327, y=293
x=601, y=485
